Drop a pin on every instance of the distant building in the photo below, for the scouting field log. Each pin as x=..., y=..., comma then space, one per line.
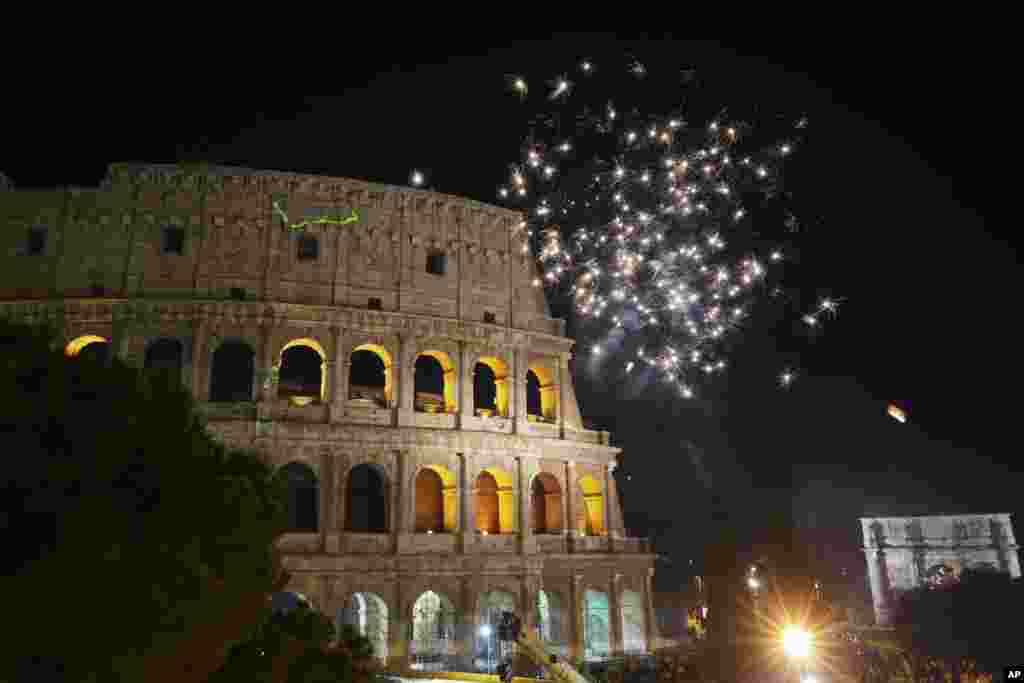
x=905, y=552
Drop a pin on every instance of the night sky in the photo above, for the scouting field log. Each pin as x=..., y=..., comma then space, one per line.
x=903, y=167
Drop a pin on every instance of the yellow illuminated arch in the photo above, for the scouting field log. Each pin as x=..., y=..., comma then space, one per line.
x=310, y=343
x=385, y=358
x=548, y=389
x=76, y=345
x=506, y=499
x=449, y=493
x=449, y=377
x=592, y=523
x=500, y=370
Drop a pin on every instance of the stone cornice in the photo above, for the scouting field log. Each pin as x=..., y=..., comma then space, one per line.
x=279, y=314
x=341, y=435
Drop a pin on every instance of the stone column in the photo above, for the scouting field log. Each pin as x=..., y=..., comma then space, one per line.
x=608, y=501
x=398, y=626
x=650, y=625
x=200, y=335
x=615, y=614
x=879, y=592
x=405, y=367
x=523, y=506
x=399, y=521
x=327, y=503
x=266, y=364
x=467, y=623
x=569, y=505
x=562, y=376
x=465, y=531
x=465, y=394
x=577, y=632
x=521, y=366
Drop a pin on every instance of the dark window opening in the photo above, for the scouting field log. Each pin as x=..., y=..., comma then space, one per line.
x=490, y=318
x=436, y=262
x=485, y=388
x=231, y=373
x=97, y=290
x=309, y=248
x=366, y=502
x=533, y=402
x=374, y=304
x=300, y=373
x=36, y=241
x=428, y=385
x=164, y=356
x=174, y=240
x=367, y=379
x=96, y=352
x=238, y=293
x=302, y=497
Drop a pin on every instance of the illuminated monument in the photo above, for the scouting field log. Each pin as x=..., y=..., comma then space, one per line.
x=905, y=552
x=385, y=347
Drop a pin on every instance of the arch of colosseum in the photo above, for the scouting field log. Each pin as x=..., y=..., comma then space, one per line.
x=403, y=367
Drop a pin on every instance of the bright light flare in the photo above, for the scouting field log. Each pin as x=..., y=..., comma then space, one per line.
x=797, y=642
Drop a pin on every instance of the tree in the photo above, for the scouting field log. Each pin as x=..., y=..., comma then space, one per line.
x=960, y=622
x=136, y=545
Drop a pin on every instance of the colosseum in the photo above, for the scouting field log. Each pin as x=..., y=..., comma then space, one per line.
x=389, y=349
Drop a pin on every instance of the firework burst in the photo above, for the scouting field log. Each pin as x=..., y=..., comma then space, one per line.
x=647, y=223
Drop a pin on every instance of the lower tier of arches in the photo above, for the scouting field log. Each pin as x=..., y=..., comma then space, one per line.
x=440, y=620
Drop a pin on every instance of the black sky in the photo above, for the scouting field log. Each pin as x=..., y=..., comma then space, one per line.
x=903, y=168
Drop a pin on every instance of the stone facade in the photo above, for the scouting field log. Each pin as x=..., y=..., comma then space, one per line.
x=206, y=257
x=905, y=552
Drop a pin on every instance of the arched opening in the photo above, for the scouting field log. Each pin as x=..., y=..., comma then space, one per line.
x=490, y=387
x=495, y=502
x=367, y=613
x=634, y=639
x=490, y=606
x=596, y=631
x=366, y=501
x=231, y=372
x=433, y=632
x=303, y=508
x=550, y=620
x=369, y=377
x=89, y=347
x=301, y=373
x=434, y=383
x=165, y=356
x=541, y=393
x=546, y=504
x=285, y=601
x=436, y=496
x=593, y=506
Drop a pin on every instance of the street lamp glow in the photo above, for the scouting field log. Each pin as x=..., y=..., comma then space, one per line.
x=485, y=630
x=796, y=642
x=753, y=583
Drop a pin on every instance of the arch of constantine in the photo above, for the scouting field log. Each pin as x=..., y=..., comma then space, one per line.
x=402, y=369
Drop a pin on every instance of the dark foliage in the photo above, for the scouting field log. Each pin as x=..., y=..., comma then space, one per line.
x=131, y=536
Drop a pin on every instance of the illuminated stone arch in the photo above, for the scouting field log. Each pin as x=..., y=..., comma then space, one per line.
x=494, y=495
x=367, y=493
x=634, y=621
x=435, y=494
x=367, y=613
x=541, y=391
x=490, y=386
x=434, y=620
x=75, y=347
x=362, y=371
x=429, y=366
x=301, y=376
x=546, y=504
x=596, y=625
x=551, y=618
x=592, y=521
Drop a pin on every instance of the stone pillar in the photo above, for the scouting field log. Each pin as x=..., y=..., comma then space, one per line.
x=398, y=627
x=521, y=366
x=399, y=522
x=569, y=505
x=608, y=502
x=405, y=367
x=467, y=623
x=200, y=356
x=527, y=541
x=615, y=614
x=327, y=502
x=465, y=531
x=879, y=585
x=651, y=635
x=562, y=376
x=577, y=632
x=265, y=364
x=465, y=394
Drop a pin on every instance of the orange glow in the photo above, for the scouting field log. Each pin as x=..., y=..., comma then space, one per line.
x=897, y=413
